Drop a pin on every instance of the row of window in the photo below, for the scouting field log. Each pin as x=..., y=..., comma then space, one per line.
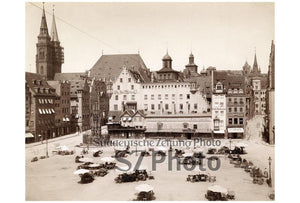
x=235, y=109
x=45, y=101
x=121, y=80
x=260, y=93
x=235, y=100
x=152, y=106
x=125, y=97
x=235, y=121
x=235, y=91
x=159, y=96
x=166, y=86
x=119, y=87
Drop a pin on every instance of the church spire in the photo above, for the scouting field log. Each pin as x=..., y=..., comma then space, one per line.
x=43, y=28
x=54, y=35
x=255, y=66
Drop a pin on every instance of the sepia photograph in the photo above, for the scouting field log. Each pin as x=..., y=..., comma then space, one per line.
x=149, y=101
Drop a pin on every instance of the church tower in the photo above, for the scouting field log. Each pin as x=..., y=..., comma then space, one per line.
x=255, y=66
x=44, y=50
x=192, y=67
x=58, y=54
x=49, y=56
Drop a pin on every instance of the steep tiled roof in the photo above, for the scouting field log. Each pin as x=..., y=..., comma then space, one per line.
x=75, y=86
x=167, y=70
x=36, y=81
x=129, y=112
x=141, y=112
x=139, y=75
x=110, y=66
x=56, y=85
x=116, y=115
x=69, y=76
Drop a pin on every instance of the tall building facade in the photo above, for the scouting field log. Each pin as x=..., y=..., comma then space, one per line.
x=40, y=107
x=49, y=56
x=270, y=109
x=62, y=107
x=219, y=110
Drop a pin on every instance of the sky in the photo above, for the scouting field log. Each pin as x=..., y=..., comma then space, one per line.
x=223, y=35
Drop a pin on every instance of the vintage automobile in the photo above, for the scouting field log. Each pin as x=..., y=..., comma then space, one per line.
x=212, y=151
x=218, y=193
x=138, y=175
x=109, y=166
x=145, y=196
x=258, y=181
x=101, y=172
x=84, y=165
x=197, y=178
x=121, y=153
x=87, y=178
x=145, y=193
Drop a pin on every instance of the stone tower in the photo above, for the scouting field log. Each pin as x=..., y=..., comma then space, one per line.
x=49, y=56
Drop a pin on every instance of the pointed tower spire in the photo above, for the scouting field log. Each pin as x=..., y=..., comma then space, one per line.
x=255, y=66
x=44, y=27
x=54, y=35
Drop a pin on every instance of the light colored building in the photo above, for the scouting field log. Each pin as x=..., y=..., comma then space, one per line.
x=125, y=91
x=219, y=110
x=172, y=98
x=259, y=91
x=168, y=104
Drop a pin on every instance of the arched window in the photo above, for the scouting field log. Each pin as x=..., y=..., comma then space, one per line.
x=42, y=53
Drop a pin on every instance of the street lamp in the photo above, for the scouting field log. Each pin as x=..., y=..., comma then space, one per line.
x=270, y=179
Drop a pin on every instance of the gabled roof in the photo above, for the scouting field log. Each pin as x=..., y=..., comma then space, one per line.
x=70, y=76
x=35, y=81
x=141, y=112
x=139, y=75
x=75, y=86
x=56, y=85
x=110, y=66
x=116, y=115
x=129, y=112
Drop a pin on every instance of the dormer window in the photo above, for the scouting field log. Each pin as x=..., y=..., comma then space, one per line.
x=219, y=87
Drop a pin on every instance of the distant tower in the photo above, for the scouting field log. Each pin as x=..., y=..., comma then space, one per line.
x=255, y=66
x=58, y=56
x=192, y=67
x=167, y=61
x=49, y=55
x=246, y=68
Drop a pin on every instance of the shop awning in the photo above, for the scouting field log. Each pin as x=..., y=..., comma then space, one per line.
x=29, y=135
x=235, y=130
x=219, y=131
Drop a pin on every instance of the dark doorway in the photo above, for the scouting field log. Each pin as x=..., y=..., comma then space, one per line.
x=189, y=136
x=235, y=135
x=127, y=135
